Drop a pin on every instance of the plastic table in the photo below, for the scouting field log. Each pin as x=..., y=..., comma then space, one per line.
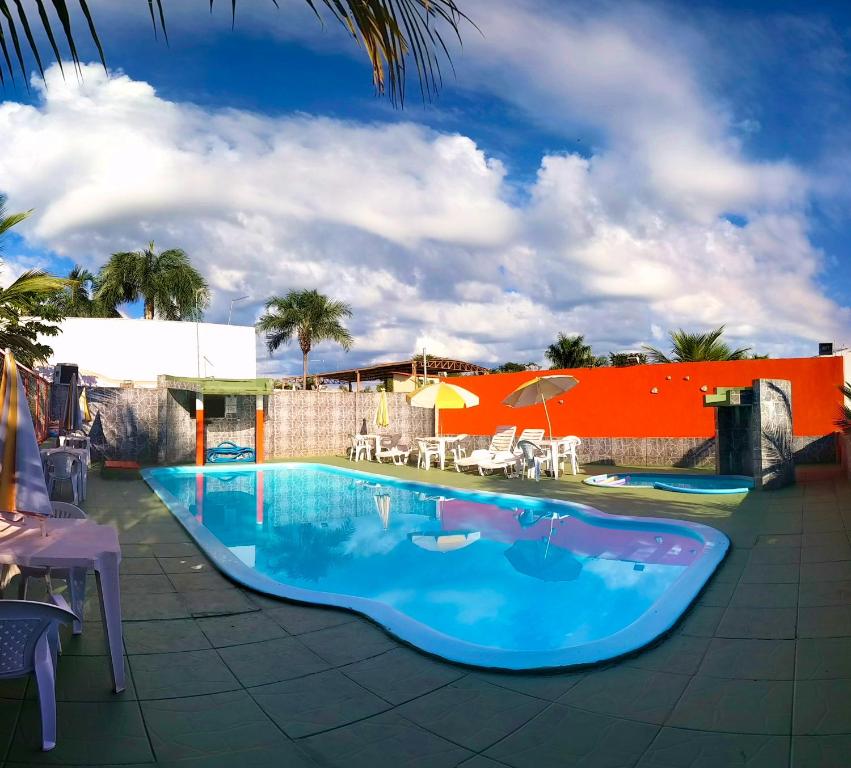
x=74, y=544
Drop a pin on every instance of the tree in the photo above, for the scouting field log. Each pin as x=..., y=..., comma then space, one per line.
x=571, y=352
x=626, y=359
x=78, y=299
x=844, y=420
x=170, y=286
x=688, y=347
x=309, y=316
x=390, y=31
x=26, y=306
x=510, y=367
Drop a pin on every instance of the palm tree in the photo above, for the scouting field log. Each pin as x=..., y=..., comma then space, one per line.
x=688, y=347
x=25, y=305
x=308, y=315
x=169, y=285
x=78, y=299
x=570, y=352
x=844, y=420
x=390, y=31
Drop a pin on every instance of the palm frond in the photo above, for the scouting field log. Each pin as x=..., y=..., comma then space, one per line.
x=391, y=33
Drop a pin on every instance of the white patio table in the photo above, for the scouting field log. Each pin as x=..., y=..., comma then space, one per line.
x=75, y=544
x=553, y=444
x=83, y=455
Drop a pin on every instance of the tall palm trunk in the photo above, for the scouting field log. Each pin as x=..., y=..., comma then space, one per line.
x=304, y=343
x=149, y=309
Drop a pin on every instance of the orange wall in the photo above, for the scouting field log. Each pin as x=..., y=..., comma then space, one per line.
x=617, y=402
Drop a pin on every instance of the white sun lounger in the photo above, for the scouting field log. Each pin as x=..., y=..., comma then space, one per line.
x=501, y=443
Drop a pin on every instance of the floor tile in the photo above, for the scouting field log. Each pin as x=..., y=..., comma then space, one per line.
x=774, y=555
x=191, y=582
x=549, y=687
x=346, y=643
x=620, y=691
x=561, y=737
x=765, y=596
x=87, y=678
x=826, y=553
x=679, y=654
x=472, y=712
x=838, y=570
x=173, y=675
x=718, y=593
x=822, y=707
x=221, y=725
x=9, y=711
x=146, y=607
x=832, y=621
x=750, y=659
x=298, y=619
x=401, y=674
x=681, y=748
x=764, y=623
x=316, y=703
x=734, y=706
x=271, y=661
x=824, y=593
x=188, y=564
x=216, y=603
x=385, y=740
x=90, y=733
x=179, y=549
x=140, y=565
x=820, y=751
x=239, y=629
x=169, y=636
x=823, y=658
x=700, y=621
x=770, y=573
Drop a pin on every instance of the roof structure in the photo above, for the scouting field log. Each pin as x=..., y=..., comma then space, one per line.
x=412, y=367
x=211, y=386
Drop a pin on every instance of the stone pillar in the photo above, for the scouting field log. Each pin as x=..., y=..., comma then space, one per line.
x=771, y=434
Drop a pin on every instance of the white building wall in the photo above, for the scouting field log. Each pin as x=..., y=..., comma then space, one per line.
x=113, y=350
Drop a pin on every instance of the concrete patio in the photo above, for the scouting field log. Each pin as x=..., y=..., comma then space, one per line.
x=757, y=673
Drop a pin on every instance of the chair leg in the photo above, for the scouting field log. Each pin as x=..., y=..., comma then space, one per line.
x=77, y=588
x=45, y=676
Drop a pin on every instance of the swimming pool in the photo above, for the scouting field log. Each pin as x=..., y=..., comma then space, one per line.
x=670, y=481
x=490, y=580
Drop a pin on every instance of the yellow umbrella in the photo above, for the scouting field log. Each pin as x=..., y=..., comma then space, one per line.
x=538, y=390
x=84, y=406
x=382, y=415
x=442, y=395
x=22, y=486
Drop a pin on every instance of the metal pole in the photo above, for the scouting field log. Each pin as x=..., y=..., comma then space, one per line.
x=232, y=302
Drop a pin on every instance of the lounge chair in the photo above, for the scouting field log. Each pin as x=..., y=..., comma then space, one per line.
x=29, y=644
x=388, y=448
x=501, y=444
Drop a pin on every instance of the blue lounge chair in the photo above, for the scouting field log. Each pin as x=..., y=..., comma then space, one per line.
x=228, y=453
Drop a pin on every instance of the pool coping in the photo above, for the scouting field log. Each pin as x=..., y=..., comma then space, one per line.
x=594, y=482
x=648, y=627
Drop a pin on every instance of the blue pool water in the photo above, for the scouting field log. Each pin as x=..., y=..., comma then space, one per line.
x=681, y=483
x=491, y=580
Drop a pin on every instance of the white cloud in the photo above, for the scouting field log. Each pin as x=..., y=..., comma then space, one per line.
x=421, y=230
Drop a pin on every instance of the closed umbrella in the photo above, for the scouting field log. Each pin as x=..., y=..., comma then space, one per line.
x=22, y=486
x=442, y=395
x=538, y=391
x=72, y=418
x=85, y=413
x=382, y=415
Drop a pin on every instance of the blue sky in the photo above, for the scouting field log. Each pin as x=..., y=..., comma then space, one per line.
x=612, y=169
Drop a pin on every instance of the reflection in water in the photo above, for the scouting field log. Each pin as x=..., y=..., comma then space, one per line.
x=309, y=552
x=382, y=506
x=444, y=542
x=541, y=561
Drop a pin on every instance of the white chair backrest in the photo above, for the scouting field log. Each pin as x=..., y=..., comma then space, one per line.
x=460, y=438
x=76, y=441
x=22, y=624
x=502, y=439
x=572, y=441
x=67, y=511
x=61, y=464
x=533, y=435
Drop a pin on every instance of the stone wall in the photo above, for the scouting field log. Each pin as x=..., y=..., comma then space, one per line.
x=125, y=423
x=321, y=423
x=771, y=436
x=238, y=429
x=177, y=432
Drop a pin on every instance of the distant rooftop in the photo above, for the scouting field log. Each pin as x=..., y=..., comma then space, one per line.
x=412, y=367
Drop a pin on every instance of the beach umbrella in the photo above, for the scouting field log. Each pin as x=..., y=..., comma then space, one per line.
x=442, y=396
x=72, y=418
x=382, y=415
x=536, y=558
x=538, y=391
x=22, y=486
x=382, y=506
x=84, y=406
x=445, y=542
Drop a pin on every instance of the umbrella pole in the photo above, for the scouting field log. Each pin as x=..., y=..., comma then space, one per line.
x=436, y=421
x=547, y=414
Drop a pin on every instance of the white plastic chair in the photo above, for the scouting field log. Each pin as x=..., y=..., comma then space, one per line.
x=81, y=442
x=428, y=450
x=62, y=467
x=74, y=577
x=29, y=644
x=360, y=447
x=458, y=451
x=567, y=451
x=387, y=448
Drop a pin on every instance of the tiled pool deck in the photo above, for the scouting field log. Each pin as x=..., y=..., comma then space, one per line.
x=757, y=674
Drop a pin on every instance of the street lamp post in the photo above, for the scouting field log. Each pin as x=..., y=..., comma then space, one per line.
x=232, y=302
